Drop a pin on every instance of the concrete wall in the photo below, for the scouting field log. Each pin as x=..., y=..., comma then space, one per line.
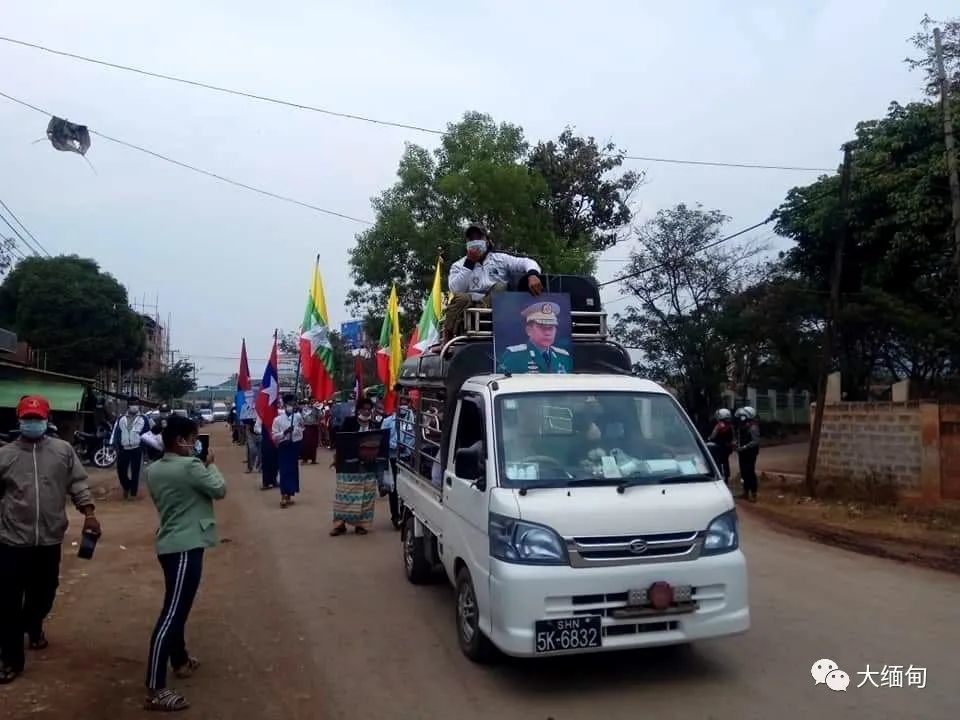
x=914, y=445
x=860, y=440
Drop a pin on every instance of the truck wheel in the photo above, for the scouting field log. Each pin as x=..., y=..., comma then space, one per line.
x=415, y=563
x=473, y=642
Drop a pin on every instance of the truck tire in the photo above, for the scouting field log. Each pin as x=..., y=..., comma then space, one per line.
x=473, y=643
x=415, y=564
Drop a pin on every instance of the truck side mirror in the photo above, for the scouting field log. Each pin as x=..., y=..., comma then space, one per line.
x=468, y=465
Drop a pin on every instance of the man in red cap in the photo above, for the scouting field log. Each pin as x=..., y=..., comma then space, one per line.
x=37, y=472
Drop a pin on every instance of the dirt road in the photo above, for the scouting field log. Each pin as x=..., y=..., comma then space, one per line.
x=291, y=623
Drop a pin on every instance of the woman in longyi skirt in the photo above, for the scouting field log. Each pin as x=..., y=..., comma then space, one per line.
x=356, y=492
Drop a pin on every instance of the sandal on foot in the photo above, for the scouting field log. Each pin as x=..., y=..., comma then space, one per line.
x=166, y=701
x=187, y=669
x=338, y=530
x=360, y=530
x=8, y=674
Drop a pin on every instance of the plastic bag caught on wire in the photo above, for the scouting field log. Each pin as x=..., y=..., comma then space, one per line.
x=67, y=136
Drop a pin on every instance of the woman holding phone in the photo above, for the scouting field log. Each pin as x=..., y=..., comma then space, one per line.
x=183, y=487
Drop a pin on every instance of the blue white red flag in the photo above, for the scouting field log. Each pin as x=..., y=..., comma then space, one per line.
x=244, y=401
x=269, y=394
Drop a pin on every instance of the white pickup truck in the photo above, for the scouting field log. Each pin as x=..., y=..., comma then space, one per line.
x=572, y=513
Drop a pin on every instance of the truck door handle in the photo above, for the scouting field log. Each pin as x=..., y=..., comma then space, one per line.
x=449, y=482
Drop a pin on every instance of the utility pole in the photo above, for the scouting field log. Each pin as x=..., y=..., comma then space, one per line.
x=951, y=151
x=829, y=330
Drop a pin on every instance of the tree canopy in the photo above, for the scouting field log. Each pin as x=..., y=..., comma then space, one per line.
x=75, y=313
x=899, y=314
x=676, y=309
x=560, y=202
x=175, y=382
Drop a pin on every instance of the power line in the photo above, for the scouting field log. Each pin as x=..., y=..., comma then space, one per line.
x=16, y=232
x=17, y=220
x=229, y=91
x=705, y=247
x=751, y=166
x=196, y=169
x=363, y=118
x=14, y=248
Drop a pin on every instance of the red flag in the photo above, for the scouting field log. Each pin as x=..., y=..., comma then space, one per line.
x=243, y=378
x=269, y=393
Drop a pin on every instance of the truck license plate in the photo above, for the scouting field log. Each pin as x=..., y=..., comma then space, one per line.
x=568, y=634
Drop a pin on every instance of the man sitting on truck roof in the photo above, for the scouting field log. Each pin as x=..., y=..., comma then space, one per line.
x=480, y=273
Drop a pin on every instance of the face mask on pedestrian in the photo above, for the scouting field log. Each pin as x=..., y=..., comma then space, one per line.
x=32, y=429
x=363, y=416
x=133, y=410
x=476, y=247
x=288, y=409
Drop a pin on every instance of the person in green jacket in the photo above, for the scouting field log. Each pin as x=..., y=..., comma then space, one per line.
x=183, y=488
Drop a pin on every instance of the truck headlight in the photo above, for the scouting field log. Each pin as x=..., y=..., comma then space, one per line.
x=722, y=534
x=516, y=541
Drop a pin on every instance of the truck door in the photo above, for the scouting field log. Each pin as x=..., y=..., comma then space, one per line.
x=467, y=499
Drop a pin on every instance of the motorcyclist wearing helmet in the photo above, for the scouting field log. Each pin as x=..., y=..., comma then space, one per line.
x=721, y=442
x=748, y=447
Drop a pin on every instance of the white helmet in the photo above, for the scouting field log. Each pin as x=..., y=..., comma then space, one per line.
x=746, y=413
x=723, y=414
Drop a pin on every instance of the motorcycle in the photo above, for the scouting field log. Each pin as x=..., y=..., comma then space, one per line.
x=95, y=448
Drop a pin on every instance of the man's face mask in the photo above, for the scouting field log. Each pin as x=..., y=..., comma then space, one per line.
x=289, y=409
x=32, y=428
x=363, y=417
x=133, y=410
x=476, y=247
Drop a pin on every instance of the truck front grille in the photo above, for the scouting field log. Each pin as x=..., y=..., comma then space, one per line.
x=597, y=551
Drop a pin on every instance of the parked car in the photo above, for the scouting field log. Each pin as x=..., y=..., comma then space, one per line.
x=207, y=415
x=220, y=412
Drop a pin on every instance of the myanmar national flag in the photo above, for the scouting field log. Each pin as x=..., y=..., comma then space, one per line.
x=389, y=354
x=316, y=352
x=427, y=332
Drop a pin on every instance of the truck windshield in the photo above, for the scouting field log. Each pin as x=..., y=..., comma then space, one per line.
x=579, y=438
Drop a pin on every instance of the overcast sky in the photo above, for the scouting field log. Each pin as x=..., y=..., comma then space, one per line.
x=750, y=81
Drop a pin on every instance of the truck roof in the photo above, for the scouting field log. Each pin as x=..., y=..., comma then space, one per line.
x=462, y=361
x=537, y=382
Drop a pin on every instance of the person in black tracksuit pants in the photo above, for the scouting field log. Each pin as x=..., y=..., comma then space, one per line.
x=748, y=447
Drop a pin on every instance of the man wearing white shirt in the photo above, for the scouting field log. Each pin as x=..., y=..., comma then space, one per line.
x=287, y=434
x=126, y=438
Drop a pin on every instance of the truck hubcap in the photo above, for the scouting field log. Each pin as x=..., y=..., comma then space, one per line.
x=467, y=609
x=408, y=550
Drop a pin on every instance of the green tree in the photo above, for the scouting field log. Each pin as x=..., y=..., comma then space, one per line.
x=926, y=61
x=557, y=203
x=899, y=314
x=675, y=320
x=175, y=382
x=772, y=331
x=7, y=245
x=75, y=313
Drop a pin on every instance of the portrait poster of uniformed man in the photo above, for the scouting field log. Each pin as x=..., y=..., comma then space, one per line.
x=532, y=334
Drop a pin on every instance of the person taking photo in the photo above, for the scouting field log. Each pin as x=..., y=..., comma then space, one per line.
x=183, y=488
